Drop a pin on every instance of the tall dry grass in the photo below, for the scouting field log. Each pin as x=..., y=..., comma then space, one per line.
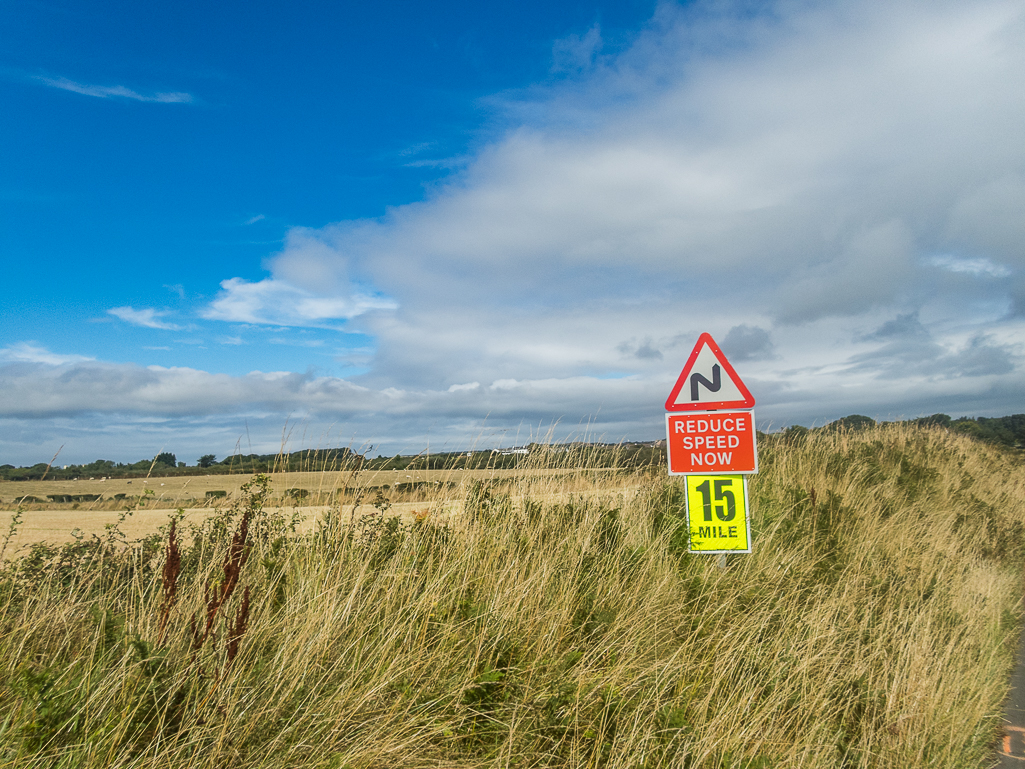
x=557, y=621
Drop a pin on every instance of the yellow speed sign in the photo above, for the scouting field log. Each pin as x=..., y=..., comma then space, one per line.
x=717, y=513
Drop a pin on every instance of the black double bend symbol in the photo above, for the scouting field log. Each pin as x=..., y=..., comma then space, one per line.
x=698, y=379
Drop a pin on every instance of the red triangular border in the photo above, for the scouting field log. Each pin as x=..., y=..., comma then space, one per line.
x=748, y=401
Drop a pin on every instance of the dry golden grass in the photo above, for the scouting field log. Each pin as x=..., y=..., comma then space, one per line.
x=556, y=620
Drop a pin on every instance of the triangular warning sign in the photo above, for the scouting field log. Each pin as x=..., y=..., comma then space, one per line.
x=708, y=382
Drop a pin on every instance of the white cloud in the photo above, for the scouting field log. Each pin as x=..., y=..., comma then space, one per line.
x=115, y=91
x=27, y=352
x=146, y=317
x=277, y=302
x=311, y=285
x=977, y=266
x=291, y=342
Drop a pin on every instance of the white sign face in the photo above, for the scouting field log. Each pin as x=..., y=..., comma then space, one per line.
x=708, y=382
x=711, y=442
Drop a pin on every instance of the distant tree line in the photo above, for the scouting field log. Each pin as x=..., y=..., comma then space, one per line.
x=166, y=464
x=1003, y=431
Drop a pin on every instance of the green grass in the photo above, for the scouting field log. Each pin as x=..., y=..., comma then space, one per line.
x=553, y=623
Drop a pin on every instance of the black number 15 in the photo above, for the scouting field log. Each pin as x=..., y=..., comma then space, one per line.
x=725, y=512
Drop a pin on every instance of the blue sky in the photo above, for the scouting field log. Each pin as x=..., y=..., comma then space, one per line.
x=398, y=223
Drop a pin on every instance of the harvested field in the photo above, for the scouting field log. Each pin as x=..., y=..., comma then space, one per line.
x=188, y=491
x=436, y=493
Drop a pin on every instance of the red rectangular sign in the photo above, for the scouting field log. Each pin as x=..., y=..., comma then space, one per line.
x=711, y=442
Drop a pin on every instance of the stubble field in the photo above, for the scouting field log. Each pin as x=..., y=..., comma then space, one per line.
x=180, y=491
x=439, y=493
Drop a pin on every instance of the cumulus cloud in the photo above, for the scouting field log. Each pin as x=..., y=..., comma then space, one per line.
x=191, y=407
x=65, y=389
x=311, y=285
x=281, y=303
x=146, y=317
x=115, y=91
x=728, y=171
x=786, y=180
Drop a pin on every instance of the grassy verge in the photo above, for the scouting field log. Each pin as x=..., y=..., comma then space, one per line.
x=871, y=626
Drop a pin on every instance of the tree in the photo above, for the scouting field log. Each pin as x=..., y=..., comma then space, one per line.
x=795, y=433
x=936, y=420
x=167, y=458
x=100, y=466
x=852, y=422
x=206, y=460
